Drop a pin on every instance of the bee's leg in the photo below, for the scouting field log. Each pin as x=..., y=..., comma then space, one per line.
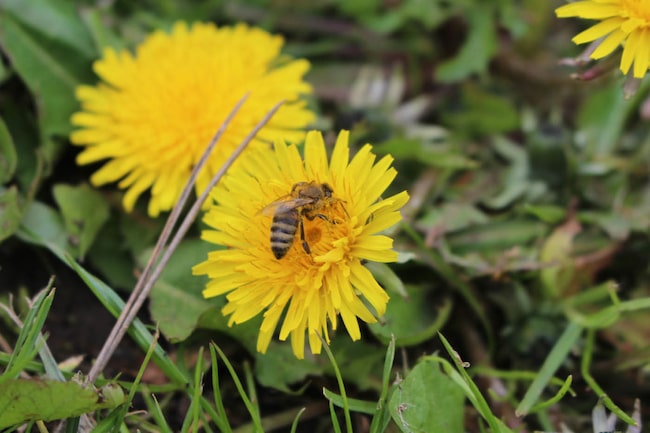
x=305, y=245
x=311, y=217
x=341, y=203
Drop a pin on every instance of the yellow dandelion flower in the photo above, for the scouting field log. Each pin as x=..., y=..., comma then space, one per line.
x=624, y=22
x=319, y=274
x=155, y=111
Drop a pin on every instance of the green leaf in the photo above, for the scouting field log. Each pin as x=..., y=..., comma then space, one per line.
x=46, y=224
x=434, y=155
x=360, y=362
x=617, y=225
x=497, y=236
x=84, y=212
x=23, y=400
x=428, y=401
x=50, y=70
x=480, y=46
x=176, y=300
x=451, y=217
x=412, y=320
x=10, y=213
x=601, y=120
x=278, y=367
x=515, y=181
x=56, y=20
x=8, y=155
x=359, y=8
x=387, y=278
x=482, y=113
x=25, y=135
x=110, y=255
x=355, y=405
x=550, y=214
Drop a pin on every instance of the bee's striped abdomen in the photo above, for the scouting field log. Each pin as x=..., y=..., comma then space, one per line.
x=283, y=232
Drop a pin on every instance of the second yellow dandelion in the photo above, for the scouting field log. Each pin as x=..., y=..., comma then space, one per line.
x=156, y=111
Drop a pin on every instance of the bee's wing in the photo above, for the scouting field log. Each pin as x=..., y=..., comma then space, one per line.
x=283, y=206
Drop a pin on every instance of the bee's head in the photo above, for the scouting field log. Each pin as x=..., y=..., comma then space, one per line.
x=327, y=190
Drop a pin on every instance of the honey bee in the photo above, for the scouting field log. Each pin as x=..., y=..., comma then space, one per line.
x=308, y=200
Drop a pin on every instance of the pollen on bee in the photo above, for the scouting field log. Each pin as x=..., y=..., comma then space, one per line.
x=313, y=234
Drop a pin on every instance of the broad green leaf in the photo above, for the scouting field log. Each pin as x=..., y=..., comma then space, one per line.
x=24, y=133
x=551, y=214
x=8, y=155
x=58, y=21
x=478, y=49
x=387, y=278
x=46, y=224
x=601, y=120
x=483, y=113
x=110, y=255
x=5, y=73
x=360, y=362
x=139, y=233
x=515, y=181
x=359, y=8
x=279, y=368
x=440, y=156
x=450, y=217
x=23, y=400
x=176, y=300
x=429, y=14
x=428, y=401
x=10, y=213
x=616, y=225
x=413, y=319
x=50, y=70
x=84, y=212
x=496, y=236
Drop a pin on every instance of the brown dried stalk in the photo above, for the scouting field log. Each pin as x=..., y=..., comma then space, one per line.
x=154, y=266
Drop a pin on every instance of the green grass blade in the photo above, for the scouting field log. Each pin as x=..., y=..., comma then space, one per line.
x=339, y=379
x=566, y=386
x=114, y=304
x=27, y=344
x=584, y=369
x=471, y=390
x=335, y=421
x=219, y=417
x=381, y=416
x=353, y=404
x=257, y=423
x=294, y=424
x=553, y=361
x=156, y=412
